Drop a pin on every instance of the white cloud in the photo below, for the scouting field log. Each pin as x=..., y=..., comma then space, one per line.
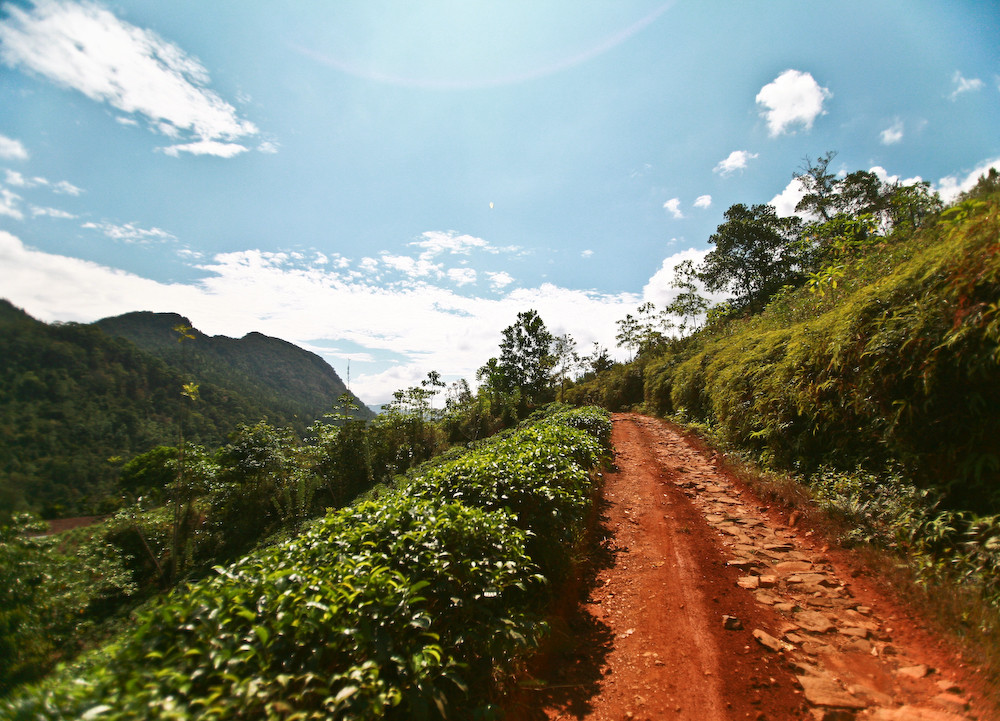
x=268, y=147
x=883, y=175
x=659, y=290
x=893, y=134
x=11, y=149
x=64, y=187
x=206, y=147
x=950, y=186
x=55, y=287
x=412, y=267
x=586, y=253
x=84, y=47
x=674, y=207
x=9, y=201
x=130, y=232
x=784, y=202
x=703, y=201
x=499, y=280
x=794, y=98
x=17, y=180
x=462, y=276
x=37, y=211
x=436, y=242
x=736, y=160
x=964, y=85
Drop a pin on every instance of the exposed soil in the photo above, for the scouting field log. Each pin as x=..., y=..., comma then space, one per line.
x=58, y=525
x=697, y=602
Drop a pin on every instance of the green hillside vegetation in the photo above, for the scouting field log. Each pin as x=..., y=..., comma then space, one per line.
x=187, y=508
x=76, y=402
x=299, y=385
x=871, y=371
x=418, y=604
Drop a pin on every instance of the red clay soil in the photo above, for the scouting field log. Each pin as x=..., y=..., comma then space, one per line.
x=58, y=525
x=645, y=636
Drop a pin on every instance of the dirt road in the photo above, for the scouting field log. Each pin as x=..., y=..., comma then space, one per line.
x=698, y=603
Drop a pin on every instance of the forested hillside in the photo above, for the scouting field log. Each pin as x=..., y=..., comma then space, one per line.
x=867, y=337
x=297, y=384
x=76, y=402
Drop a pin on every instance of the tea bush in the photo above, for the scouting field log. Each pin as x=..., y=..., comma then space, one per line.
x=416, y=606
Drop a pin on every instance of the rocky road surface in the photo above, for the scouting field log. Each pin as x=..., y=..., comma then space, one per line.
x=701, y=603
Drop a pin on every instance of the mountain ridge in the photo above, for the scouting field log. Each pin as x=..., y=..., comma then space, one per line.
x=77, y=400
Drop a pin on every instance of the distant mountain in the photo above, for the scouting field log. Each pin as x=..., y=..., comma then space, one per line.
x=76, y=400
x=297, y=383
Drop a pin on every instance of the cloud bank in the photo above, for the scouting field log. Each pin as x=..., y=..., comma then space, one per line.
x=326, y=304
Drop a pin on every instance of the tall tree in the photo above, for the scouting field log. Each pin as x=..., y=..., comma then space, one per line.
x=689, y=305
x=819, y=185
x=566, y=359
x=756, y=253
x=628, y=333
x=526, y=358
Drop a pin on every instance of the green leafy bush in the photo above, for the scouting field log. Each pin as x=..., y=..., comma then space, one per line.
x=415, y=606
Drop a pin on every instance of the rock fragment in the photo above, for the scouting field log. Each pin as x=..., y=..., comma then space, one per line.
x=731, y=623
x=824, y=691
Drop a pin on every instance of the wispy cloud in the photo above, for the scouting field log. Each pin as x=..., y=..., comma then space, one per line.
x=130, y=232
x=586, y=253
x=673, y=206
x=703, y=201
x=412, y=267
x=37, y=211
x=84, y=47
x=18, y=180
x=893, y=134
x=206, y=147
x=436, y=242
x=9, y=202
x=736, y=160
x=964, y=85
x=792, y=99
x=64, y=187
x=11, y=149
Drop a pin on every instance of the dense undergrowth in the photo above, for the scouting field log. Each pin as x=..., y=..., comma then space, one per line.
x=897, y=365
x=876, y=384
x=418, y=605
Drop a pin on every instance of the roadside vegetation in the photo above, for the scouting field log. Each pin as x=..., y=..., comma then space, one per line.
x=859, y=356
x=419, y=604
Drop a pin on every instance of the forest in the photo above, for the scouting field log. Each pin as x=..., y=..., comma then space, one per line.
x=265, y=570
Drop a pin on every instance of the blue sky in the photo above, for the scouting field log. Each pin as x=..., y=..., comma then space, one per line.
x=391, y=182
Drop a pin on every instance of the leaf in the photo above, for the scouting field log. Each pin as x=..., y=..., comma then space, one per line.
x=345, y=693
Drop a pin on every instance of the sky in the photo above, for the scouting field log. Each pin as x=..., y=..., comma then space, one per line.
x=388, y=183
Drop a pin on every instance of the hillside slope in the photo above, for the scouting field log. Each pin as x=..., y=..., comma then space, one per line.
x=75, y=401
x=297, y=382
x=893, y=366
